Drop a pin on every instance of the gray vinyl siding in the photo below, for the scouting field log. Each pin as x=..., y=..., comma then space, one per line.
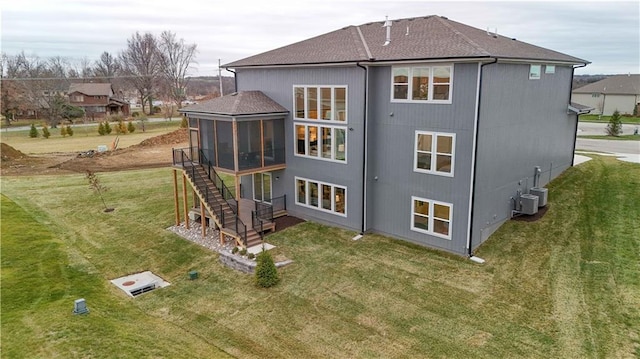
x=278, y=85
x=523, y=124
x=391, y=180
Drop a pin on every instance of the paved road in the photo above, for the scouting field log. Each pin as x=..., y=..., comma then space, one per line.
x=594, y=128
x=611, y=146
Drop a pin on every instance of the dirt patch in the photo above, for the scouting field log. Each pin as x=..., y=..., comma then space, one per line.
x=286, y=222
x=533, y=218
x=151, y=153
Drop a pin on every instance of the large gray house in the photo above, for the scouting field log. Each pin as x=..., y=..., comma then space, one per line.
x=423, y=129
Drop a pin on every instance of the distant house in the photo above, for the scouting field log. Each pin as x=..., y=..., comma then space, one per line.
x=424, y=129
x=619, y=92
x=97, y=100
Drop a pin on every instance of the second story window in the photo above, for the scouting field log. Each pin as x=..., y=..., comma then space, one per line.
x=434, y=153
x=422, y=84
x=323, y=103
x=78, y=98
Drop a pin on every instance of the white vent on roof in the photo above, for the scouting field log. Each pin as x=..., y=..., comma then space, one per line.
x=387, y=23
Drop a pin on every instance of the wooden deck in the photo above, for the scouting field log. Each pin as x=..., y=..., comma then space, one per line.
x=246, y=207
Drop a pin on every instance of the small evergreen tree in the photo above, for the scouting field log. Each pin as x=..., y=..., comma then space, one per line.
x=45, y=131
x=614, y=128
x=266, y=271
x=101, y=130
x=130, y=127
x=184, y=123
x=63, y=131
x=33, y=132
x=69, y=131
x=121, y=128
x=107, y=127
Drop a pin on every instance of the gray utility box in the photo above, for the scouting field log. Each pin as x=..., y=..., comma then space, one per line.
x=542, y=195
x=528, y=204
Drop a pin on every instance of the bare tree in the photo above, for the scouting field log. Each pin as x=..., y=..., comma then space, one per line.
x=107, y=66
x=141, y=63
x=176, y=60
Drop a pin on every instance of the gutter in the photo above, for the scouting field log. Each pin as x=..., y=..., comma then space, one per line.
x=366, y=149
x=475, y=162
x=575, y=130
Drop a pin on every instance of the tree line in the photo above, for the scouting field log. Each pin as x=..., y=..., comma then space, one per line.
x=153, y=66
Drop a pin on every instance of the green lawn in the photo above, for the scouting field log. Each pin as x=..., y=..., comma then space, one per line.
x=565, y=286
x=598, y=118
x=614, y=138
x=83, y=139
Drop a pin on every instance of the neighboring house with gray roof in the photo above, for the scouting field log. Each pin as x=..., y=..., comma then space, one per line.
x=619, y=92
x=97, y=99
x=424, y=129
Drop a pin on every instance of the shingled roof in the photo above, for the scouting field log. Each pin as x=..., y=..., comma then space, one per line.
x=420, y=38
x=614, y=85
x=237, y=104
x=92, y=89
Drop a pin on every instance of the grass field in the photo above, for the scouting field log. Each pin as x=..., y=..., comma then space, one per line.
x=614, y=138
x=566, y=286
x=84, y=138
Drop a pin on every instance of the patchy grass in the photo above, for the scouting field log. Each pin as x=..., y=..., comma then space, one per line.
x=614, y=138
x=567, y=285
x=605, y=119
x=84, y=138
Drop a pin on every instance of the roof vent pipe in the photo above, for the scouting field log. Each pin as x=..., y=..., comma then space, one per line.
x=387, y=24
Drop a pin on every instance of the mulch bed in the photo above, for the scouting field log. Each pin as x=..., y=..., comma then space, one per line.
x=532, y=218
x=286, y=222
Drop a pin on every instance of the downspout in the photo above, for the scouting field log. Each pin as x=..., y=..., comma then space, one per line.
x=475, y=161
x=575, y=130
x=235, y=80
x=366, y=149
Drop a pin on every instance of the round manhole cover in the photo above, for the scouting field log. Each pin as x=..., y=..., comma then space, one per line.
x=128, y=283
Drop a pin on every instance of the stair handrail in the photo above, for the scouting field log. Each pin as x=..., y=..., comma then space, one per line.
x=219, y=183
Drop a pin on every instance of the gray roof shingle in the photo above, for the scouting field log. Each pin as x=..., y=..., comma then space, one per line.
x=92, y=89
x=614, y=85
x=430, y=37
x=236, y=104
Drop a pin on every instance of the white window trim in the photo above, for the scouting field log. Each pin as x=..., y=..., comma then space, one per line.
x=532, y=73
x=410, y=83
x=431, y=217
x=253, y=179
x=549, y=69
x=434, y=157
x=319, y=207
x=306, y=141
x=318, y=101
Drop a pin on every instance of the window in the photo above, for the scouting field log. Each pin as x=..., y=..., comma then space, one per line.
x=422, y=84
x=534, y=72
x=262, y=187
x=434, y=153
x=321, y=142
x=322, y=196
x=550, y=69
x=78, y=98
x=325, y=103
x=595, y=94
x=431, y=217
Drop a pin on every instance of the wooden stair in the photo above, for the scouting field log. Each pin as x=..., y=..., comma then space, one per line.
x=213, y=202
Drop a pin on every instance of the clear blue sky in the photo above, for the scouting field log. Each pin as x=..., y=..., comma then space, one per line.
x=605, y=33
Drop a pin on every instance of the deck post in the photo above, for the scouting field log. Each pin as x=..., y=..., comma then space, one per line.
x=176, y=196
x=221, y=236
x=203, y=220
x=237, y=187
x=185, y=199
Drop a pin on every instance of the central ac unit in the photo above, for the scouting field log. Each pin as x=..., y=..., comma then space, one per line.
x=542, y=195
x=528, y=204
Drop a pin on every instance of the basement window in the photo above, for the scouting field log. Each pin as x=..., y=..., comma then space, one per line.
x=139, y=283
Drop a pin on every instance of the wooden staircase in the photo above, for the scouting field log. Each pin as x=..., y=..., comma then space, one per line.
x=218, y=208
